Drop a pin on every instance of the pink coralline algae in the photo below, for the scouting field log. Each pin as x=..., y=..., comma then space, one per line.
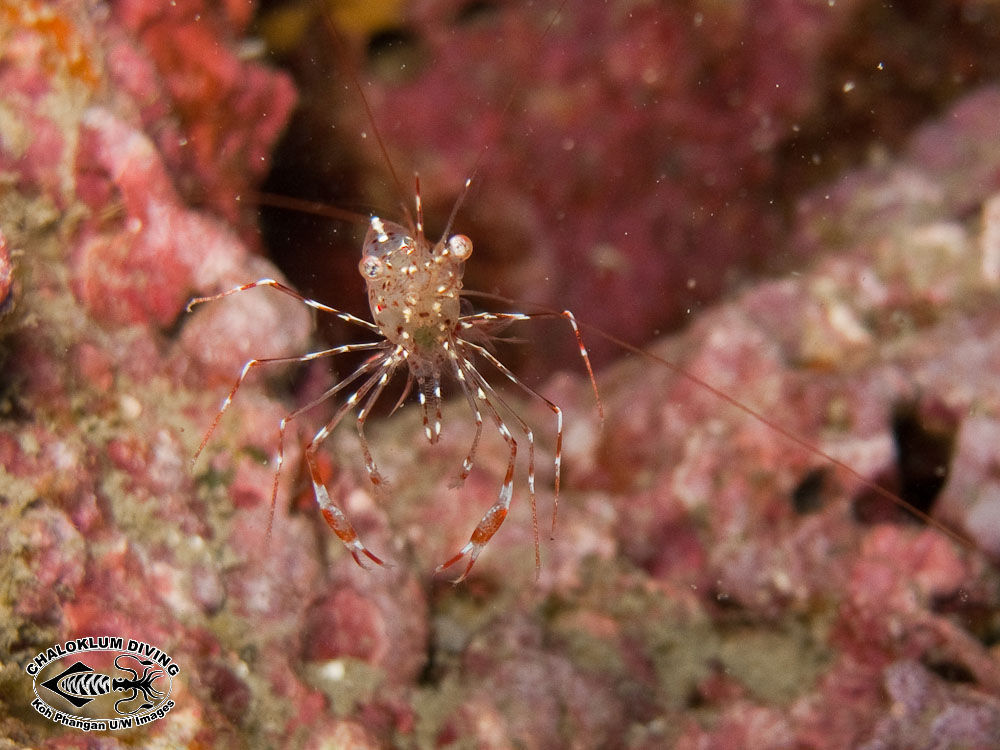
x=639, y=138
x=213, y=114
x=709, y=583
x=649, y=152
x=144, y=269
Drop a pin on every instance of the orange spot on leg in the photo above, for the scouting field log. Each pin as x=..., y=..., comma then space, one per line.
x=488, y=526
x=341, y=527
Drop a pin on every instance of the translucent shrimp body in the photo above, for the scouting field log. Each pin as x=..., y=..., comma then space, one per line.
x=414, y=291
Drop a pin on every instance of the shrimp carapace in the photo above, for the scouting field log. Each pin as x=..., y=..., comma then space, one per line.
x=414, y=293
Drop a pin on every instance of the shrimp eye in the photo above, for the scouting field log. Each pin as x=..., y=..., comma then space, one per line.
x=370, y=267
x=460, y=246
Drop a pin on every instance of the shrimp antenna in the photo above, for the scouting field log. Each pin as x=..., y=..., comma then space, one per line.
x=755, y=414
x=515, y=87
x=478, y=163
x=790, y=436
x=454, y=209
x=316, y=208
x=341, y=46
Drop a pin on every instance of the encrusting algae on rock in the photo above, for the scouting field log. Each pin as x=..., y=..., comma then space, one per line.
x=708, y=583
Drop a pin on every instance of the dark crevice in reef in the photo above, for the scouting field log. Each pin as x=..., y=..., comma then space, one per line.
x=924, y=431
x=950, y=670
x=807, y=497
x=974, y=611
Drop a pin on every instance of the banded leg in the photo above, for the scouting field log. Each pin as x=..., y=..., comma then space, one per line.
x=333, y=515
x=494, y=517
x=429, y=389
x=388, y=370
x=484, y=385
x=248, y=366
x=471, y=455
x=488, y=356
x=470, y=321
x=346, y=317
x=368, y=366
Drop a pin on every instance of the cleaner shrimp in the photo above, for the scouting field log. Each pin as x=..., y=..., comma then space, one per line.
x=414, y=290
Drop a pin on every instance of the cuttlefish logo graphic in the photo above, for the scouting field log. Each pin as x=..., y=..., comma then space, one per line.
x=102, y=683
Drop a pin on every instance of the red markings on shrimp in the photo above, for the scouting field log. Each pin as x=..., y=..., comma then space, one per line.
x=414, y=290
x=425, y=337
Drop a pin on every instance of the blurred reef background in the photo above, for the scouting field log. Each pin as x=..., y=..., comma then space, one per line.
x=808, y=193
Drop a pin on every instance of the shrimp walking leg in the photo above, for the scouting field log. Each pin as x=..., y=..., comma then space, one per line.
x=372, y=363
x=471, y=455
x=488, y=318
x=251, y=364
x=334, y=516
x=495, y=516
x=370, y=467
x=485, y=353
x=471, y=321
x=284, y=289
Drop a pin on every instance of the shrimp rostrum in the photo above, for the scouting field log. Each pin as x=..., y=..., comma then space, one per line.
x=414, y=291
